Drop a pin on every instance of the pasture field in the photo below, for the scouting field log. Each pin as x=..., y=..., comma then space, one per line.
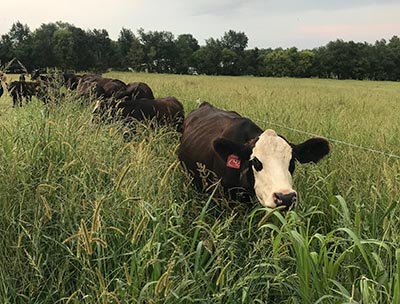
x=88, y=218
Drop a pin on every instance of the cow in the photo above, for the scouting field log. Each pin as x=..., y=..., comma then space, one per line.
x=101, y=87
x=49, y=85
x=88, y=86
x=70, y=80
x=136, y=90
x=22, y=89
x=1, y=89
x=248, y=161
x=37, y=76
x=165, y=111
x=111, y=87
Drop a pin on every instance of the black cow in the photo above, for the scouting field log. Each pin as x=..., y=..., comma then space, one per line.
x=70, y=80
x=101, y=87
x=136, y=90
x=165, y=111
x=37, y=76
x=88, y=86
x=22, y=89
x=111, y=87
x=1, y=89
x=248, y=160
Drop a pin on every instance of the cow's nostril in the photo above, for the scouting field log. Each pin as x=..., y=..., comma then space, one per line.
x=287, y=199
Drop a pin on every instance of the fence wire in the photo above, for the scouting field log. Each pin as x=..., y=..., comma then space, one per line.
x=341, y=142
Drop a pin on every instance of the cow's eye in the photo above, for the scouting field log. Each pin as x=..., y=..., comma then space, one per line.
x=255, y=162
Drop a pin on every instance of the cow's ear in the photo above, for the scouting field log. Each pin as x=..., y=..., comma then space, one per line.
x=225, y=147
x=312, y=150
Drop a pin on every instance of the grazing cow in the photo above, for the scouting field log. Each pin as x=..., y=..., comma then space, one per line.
x=111, y=87
x=36, y=75
x=165, y=111
x=56, y=79
x=248, y=160
x=48, y=86
x=136, y=90
x=101, y=87
x=20, y=89
x=70, y=80
x=1, y=89
x=87, y=89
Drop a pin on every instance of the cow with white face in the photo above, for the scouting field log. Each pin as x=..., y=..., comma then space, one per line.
x=248, y=160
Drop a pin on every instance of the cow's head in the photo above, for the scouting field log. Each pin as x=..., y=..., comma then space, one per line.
x=267, y=164
x=35, y=74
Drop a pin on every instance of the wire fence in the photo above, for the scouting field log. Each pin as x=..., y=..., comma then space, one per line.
x=337, y=141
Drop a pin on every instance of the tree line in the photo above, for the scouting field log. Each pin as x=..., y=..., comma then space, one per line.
x=64, y=46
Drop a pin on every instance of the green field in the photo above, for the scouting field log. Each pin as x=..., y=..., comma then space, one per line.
x=88, y=218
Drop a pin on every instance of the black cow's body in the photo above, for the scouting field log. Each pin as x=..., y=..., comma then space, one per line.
x=201, y=128
x=70, y=80
x=165, y=111
x=88, y=86
x=22, y=89
x=136, y=90
x=99, y=86
x=36, y=75
x=111, y=86
x=211, y=136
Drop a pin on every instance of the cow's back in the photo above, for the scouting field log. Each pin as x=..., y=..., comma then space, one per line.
x=138, y=90
x=170, y=111
x=201, y=127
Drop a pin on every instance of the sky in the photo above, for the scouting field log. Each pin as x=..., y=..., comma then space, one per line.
x=304, y=24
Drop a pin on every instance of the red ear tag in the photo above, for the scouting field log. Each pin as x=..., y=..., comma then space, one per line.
x=233, y=162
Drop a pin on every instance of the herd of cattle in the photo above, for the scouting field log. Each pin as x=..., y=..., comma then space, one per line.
x=215, y=144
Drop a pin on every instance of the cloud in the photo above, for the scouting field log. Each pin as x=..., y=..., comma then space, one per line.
x=212, y=7
x=268, y=7
x=267, y=23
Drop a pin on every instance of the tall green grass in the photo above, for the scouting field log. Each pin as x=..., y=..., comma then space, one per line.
x=88, y=218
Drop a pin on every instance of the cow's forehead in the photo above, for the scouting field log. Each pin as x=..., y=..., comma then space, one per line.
x=269, y=144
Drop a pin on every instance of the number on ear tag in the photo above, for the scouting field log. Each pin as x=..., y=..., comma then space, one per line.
x=233, y=162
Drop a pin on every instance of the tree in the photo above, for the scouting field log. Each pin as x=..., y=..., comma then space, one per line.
x=394, y=51
x=62, y=45
x=253, y=62
x=280, y=62
x=304, y=64
x=234, y=41
x=208, y=58
x=136, y=56
x=229, y=60
x=186, y=45
x=64, y=48
x=20, y=39
x=81, y=49
x=19, y=34
x=6, y=49
x=125, y=40
x=43, y=47
x=102, y=49
x=159, y=49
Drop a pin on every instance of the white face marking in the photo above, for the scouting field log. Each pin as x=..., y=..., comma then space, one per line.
x=275, y=154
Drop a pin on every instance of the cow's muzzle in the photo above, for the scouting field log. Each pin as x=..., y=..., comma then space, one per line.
x=285, y=199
